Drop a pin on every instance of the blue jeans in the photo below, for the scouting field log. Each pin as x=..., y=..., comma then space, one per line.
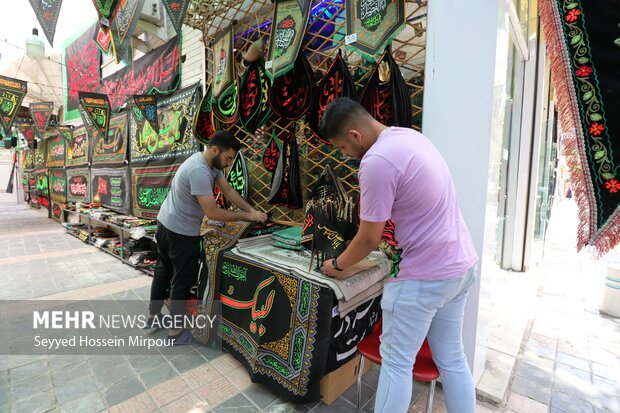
x=413, y=310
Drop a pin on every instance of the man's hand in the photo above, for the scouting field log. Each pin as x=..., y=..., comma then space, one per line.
x=257, y=216
x=328, y=268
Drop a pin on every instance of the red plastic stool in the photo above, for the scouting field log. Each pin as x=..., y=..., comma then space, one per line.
x=424, y=369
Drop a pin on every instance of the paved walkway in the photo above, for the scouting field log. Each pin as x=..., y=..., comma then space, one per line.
x=567, y=361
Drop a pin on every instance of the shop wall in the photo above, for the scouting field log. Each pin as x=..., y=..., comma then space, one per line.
x=193, y=69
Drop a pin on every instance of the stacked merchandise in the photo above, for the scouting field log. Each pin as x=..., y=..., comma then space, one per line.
x=140, y=252
x=131, y=222
x=83, y=208
x=75, y=229
x=148, y=224
x=143, y=259
x=100, y=214
x=106, y=239
x=143, y=231
x=289, y=238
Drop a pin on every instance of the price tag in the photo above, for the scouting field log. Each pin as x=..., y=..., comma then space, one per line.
x=352, y=38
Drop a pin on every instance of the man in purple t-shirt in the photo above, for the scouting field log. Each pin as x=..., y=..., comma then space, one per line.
x=409, y=208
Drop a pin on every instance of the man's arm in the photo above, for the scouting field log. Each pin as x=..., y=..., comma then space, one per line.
x=233, y=196
x=210, y=209
x=366, y=240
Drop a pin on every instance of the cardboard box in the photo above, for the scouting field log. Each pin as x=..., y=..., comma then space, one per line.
x=334, y=384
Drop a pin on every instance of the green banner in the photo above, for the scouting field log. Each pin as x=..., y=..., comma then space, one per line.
x=287, y=32
x=12, y=92
x=97, y=107
x=373, y=24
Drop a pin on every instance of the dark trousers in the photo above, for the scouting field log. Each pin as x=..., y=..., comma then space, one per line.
x=176, y=269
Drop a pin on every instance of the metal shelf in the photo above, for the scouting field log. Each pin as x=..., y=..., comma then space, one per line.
x=147, y=271
x=78, y=237
x=121, y=230
x=108, y=252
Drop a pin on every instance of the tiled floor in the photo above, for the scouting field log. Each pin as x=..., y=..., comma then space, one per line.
x=567, y=361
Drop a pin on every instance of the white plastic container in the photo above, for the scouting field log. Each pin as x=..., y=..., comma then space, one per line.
x=611, y=295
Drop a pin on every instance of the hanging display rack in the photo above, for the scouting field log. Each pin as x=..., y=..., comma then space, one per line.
x=323, y=40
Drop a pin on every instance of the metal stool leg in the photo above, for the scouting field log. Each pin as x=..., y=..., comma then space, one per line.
x=431, y=394
x=359, y=384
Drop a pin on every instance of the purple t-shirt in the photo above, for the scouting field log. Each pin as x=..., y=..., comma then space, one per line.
x=404, y=179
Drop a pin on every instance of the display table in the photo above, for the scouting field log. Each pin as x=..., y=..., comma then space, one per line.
x=283, y=328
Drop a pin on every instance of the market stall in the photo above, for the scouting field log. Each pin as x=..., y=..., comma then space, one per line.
x=283, y=320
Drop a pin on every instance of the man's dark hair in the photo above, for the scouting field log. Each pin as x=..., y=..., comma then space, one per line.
x=339, y=114
x=224, y=140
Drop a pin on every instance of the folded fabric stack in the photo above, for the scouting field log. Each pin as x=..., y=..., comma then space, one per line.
x=133, y=246
x=350, y=292
x=289, y=238
x=100, y=214
x=119, y=219
x=145, y=259
x=84, y=206
x=143, y=231
x=75, y=228
x=136, y=222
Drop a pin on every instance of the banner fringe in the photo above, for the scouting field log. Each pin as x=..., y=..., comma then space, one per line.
x=573, y=143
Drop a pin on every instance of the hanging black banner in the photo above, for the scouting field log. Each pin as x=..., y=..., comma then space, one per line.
x=226, y=107
x=78, y=185
x=285, y=182
x=41, y=113
x=386, y=96
x=174, y=140
x=12, y=92
x=150, y=186
x=124, y=25
x=176, y=11
x=58, y=184
x=159, y=71
x=271, y=154
x=254, y=108
x=111, y=187
x=290, y=18
x=47, y=12
x=78, y=148
x=203, y=120
x=112, y=149
x=291, y=94
x=97, y=107
x=24, y=125
x=238, y=176
x=56, y=148
x=40, y=155
x=106, y=10
x=374, y=23
x=82, y=70
x=336, y=83
x=147, y=110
